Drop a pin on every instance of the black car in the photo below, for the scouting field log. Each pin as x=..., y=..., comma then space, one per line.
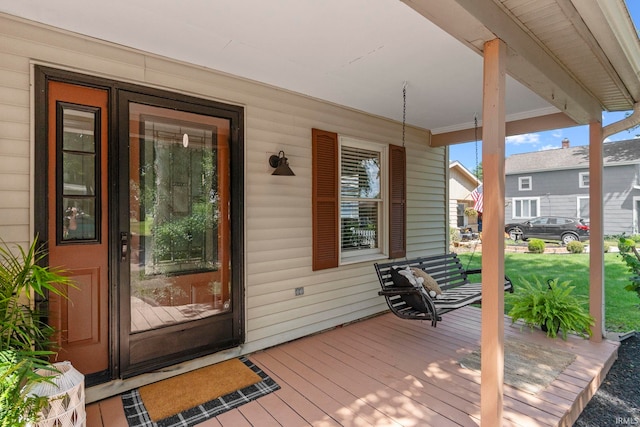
x=561, y=228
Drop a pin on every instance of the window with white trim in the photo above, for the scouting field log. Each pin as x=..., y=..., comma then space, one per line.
x=583, y=180
x=362, y=204
x=525, y=208
x=524, y=183
x=583, y=207
x=460, y=214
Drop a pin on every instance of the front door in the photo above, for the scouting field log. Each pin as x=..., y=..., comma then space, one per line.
x=176, y=271
x=141, y=203
x=78, y=223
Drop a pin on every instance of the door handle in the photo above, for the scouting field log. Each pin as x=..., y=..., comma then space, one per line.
x=124, y=245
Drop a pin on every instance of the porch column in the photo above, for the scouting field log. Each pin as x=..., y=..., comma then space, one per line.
x=596, y=232
x=493, y=152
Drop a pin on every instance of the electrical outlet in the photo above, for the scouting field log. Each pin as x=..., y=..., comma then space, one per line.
x=299, y=291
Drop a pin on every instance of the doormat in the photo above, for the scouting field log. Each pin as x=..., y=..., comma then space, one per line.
x=191, y=398
x=528, y=366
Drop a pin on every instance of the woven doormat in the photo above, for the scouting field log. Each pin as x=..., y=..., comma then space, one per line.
x=191, y=398
x=528, y=366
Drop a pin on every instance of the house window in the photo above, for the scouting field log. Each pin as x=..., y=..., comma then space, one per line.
x=583, y=207
x=526, y=208
x=524, y=183
x=460, y=214
x=361, y=198
x=358, y=200
x=583, y=179
x=80, y=163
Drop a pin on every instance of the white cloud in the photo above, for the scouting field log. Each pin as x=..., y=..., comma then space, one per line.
x=526, y=139
x=548, y=147
x=623, y=136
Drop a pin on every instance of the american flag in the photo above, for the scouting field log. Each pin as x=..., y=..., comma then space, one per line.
x=477, y=197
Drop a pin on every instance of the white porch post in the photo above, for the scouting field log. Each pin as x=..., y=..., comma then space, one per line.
x=596, y=232
x=493, y=152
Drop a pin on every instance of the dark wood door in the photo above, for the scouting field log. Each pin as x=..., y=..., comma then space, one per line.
x=177, y=296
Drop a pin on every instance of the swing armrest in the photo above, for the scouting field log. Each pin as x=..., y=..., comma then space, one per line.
x=508, y=284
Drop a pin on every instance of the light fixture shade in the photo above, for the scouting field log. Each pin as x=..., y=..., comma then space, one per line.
x=281, y=164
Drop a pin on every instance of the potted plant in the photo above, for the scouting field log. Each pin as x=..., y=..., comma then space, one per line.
x=25, y=343
x=552, y=306
x=471, y=212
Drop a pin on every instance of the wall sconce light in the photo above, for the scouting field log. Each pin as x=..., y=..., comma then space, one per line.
x=281, y=164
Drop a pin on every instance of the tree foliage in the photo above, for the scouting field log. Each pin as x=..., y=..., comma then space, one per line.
x=631, y=257
x=477, y=171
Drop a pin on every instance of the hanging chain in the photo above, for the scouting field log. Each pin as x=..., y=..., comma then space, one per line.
x=404, y=109
x=475, y=135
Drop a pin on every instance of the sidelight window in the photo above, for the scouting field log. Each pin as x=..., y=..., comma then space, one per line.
x=79, y=147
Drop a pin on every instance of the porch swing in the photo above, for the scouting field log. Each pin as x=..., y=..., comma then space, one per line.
x=425, y=288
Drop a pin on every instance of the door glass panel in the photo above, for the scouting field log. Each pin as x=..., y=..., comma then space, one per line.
x=79, y=163
x=179, y=165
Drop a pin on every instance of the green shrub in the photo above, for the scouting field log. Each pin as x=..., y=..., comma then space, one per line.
x=454, y=234
x=575, y=247
x=536, y=246
x=626, y=244
x=631, y=257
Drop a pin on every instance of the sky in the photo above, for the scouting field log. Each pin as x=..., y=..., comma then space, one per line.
x=578, y=135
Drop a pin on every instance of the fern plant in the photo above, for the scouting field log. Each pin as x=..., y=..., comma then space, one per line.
x=551, y=306
x=24, y=338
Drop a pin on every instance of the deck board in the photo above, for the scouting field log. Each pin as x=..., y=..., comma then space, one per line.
x=386, y=371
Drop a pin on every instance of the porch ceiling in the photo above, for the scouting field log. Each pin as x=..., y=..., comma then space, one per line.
x=577, y=59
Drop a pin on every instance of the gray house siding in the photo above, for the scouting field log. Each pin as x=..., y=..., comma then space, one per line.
x=620, y=187
x=558, y=193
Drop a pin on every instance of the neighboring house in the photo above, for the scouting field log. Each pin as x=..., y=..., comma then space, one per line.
x=556, y=182
x=461, y=184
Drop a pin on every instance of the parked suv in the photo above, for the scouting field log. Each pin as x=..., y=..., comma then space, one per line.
x=560, y=228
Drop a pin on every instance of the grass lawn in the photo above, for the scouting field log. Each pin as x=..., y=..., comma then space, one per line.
x=622, y=307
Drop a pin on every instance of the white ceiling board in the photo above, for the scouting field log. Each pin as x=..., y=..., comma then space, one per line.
x=356, y=53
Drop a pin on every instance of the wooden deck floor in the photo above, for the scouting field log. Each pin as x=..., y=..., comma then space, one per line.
x=385, y=371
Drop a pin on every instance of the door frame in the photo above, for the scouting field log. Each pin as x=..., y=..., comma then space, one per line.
x=44, y=74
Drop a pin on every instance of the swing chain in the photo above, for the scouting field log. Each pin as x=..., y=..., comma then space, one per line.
x=475, y=135
x=404, y=109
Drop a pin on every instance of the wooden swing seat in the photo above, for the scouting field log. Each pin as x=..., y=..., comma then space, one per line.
x=453, y=279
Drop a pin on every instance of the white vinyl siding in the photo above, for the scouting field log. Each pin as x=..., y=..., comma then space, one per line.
x=525, y=208
x=278, y=231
